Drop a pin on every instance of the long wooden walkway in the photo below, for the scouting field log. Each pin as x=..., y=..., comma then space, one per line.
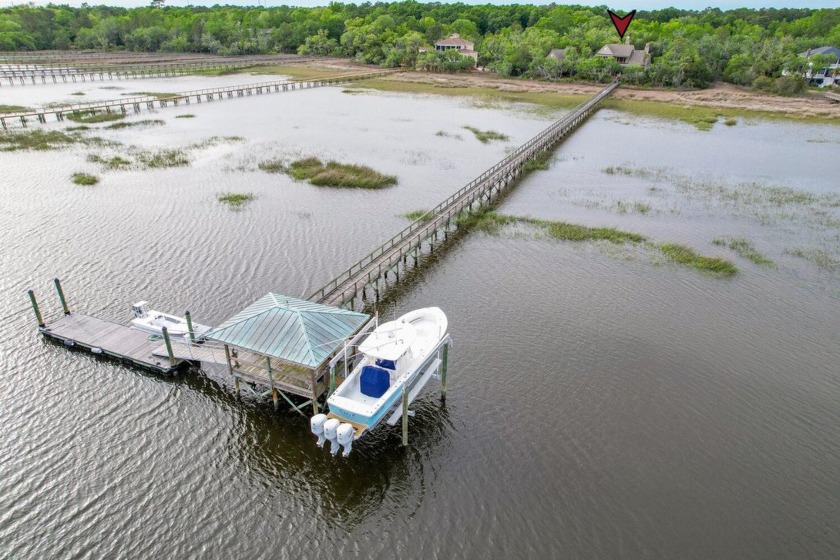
x=137, y=104
x=34, y=73
x=375, y=266
x=833, y=96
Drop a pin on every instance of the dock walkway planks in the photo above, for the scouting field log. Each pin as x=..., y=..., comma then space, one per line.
x=114, y=340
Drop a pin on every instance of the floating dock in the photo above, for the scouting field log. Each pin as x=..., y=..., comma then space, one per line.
x=104, y=338
x=111, y=339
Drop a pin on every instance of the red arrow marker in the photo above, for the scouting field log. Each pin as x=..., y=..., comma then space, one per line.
x=621, y=23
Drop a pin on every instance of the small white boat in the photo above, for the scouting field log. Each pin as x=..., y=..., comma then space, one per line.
x=398, y=356
x=152, y=322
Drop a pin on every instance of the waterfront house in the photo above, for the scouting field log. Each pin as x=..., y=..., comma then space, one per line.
x=825, y=75
x=455, y=42
x=559, y=54
x=626, y=54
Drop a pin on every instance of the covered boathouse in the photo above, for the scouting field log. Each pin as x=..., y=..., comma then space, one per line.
x=286, y=344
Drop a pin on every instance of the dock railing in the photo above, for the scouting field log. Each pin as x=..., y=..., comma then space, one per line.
x=174, y=98
x=439, y=213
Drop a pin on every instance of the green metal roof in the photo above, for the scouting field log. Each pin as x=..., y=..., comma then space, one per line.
x=290, y=329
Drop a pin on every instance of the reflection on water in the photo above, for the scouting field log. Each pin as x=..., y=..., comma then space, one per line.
x=600, y=404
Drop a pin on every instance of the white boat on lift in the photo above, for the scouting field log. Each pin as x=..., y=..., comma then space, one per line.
x=152, y=322
x=398, y=356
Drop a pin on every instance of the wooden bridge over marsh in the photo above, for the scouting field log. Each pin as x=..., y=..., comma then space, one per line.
x=139, y=103
x=29, y=73
x=833, y=96
x=374, y=268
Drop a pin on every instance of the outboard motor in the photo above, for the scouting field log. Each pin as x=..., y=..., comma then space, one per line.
x=316, y=424
x=330, y=428
x=345, y=435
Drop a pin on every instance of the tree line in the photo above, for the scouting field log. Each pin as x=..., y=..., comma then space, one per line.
x=690, y=48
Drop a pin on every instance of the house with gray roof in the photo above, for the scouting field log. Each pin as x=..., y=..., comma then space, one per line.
x=825, y=75
x=626, y=54
x=559, y=54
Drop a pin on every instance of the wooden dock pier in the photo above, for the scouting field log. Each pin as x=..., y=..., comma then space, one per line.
x=373, y=269
x=104, y=338
x=833, y=96
x=137, y=104
x=41, y=73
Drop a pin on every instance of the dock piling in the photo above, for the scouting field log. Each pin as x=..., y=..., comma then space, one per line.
x=405, y=417
x=444, y=359
x=188, y=317
x=61, y=296
x=36, y=309
x=168, y=343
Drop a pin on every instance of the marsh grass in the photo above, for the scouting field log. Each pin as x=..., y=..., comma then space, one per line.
x=14, y=109
x=78, y=93
x=115, y=162
x=540, y=162
x=485, y=220
x=576, y=232
x=757, y=200
x=333, y=174
x=215, y=141
x=641, y=207
x=145, y=122
x=294, y=71
x=550, y=100
x=235, y=200
x=485, y=136
x=85, y=179
x=272, y=166
x=164, y=158
x=743, y=247
x=820, y=257
x=730, y=121
x=421, y=215
x=686, y=256
x=444, y=134
x=185, y=116
x=78, y=128
x=89, y=117
x=492, y=222
x=40, y=140
x=703, y=117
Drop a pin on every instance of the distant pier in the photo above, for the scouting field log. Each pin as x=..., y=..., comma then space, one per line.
x=41, y=70
x=138, y=104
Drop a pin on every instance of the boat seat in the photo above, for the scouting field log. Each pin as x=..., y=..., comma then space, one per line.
x=374, y=381
x=387, y=364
